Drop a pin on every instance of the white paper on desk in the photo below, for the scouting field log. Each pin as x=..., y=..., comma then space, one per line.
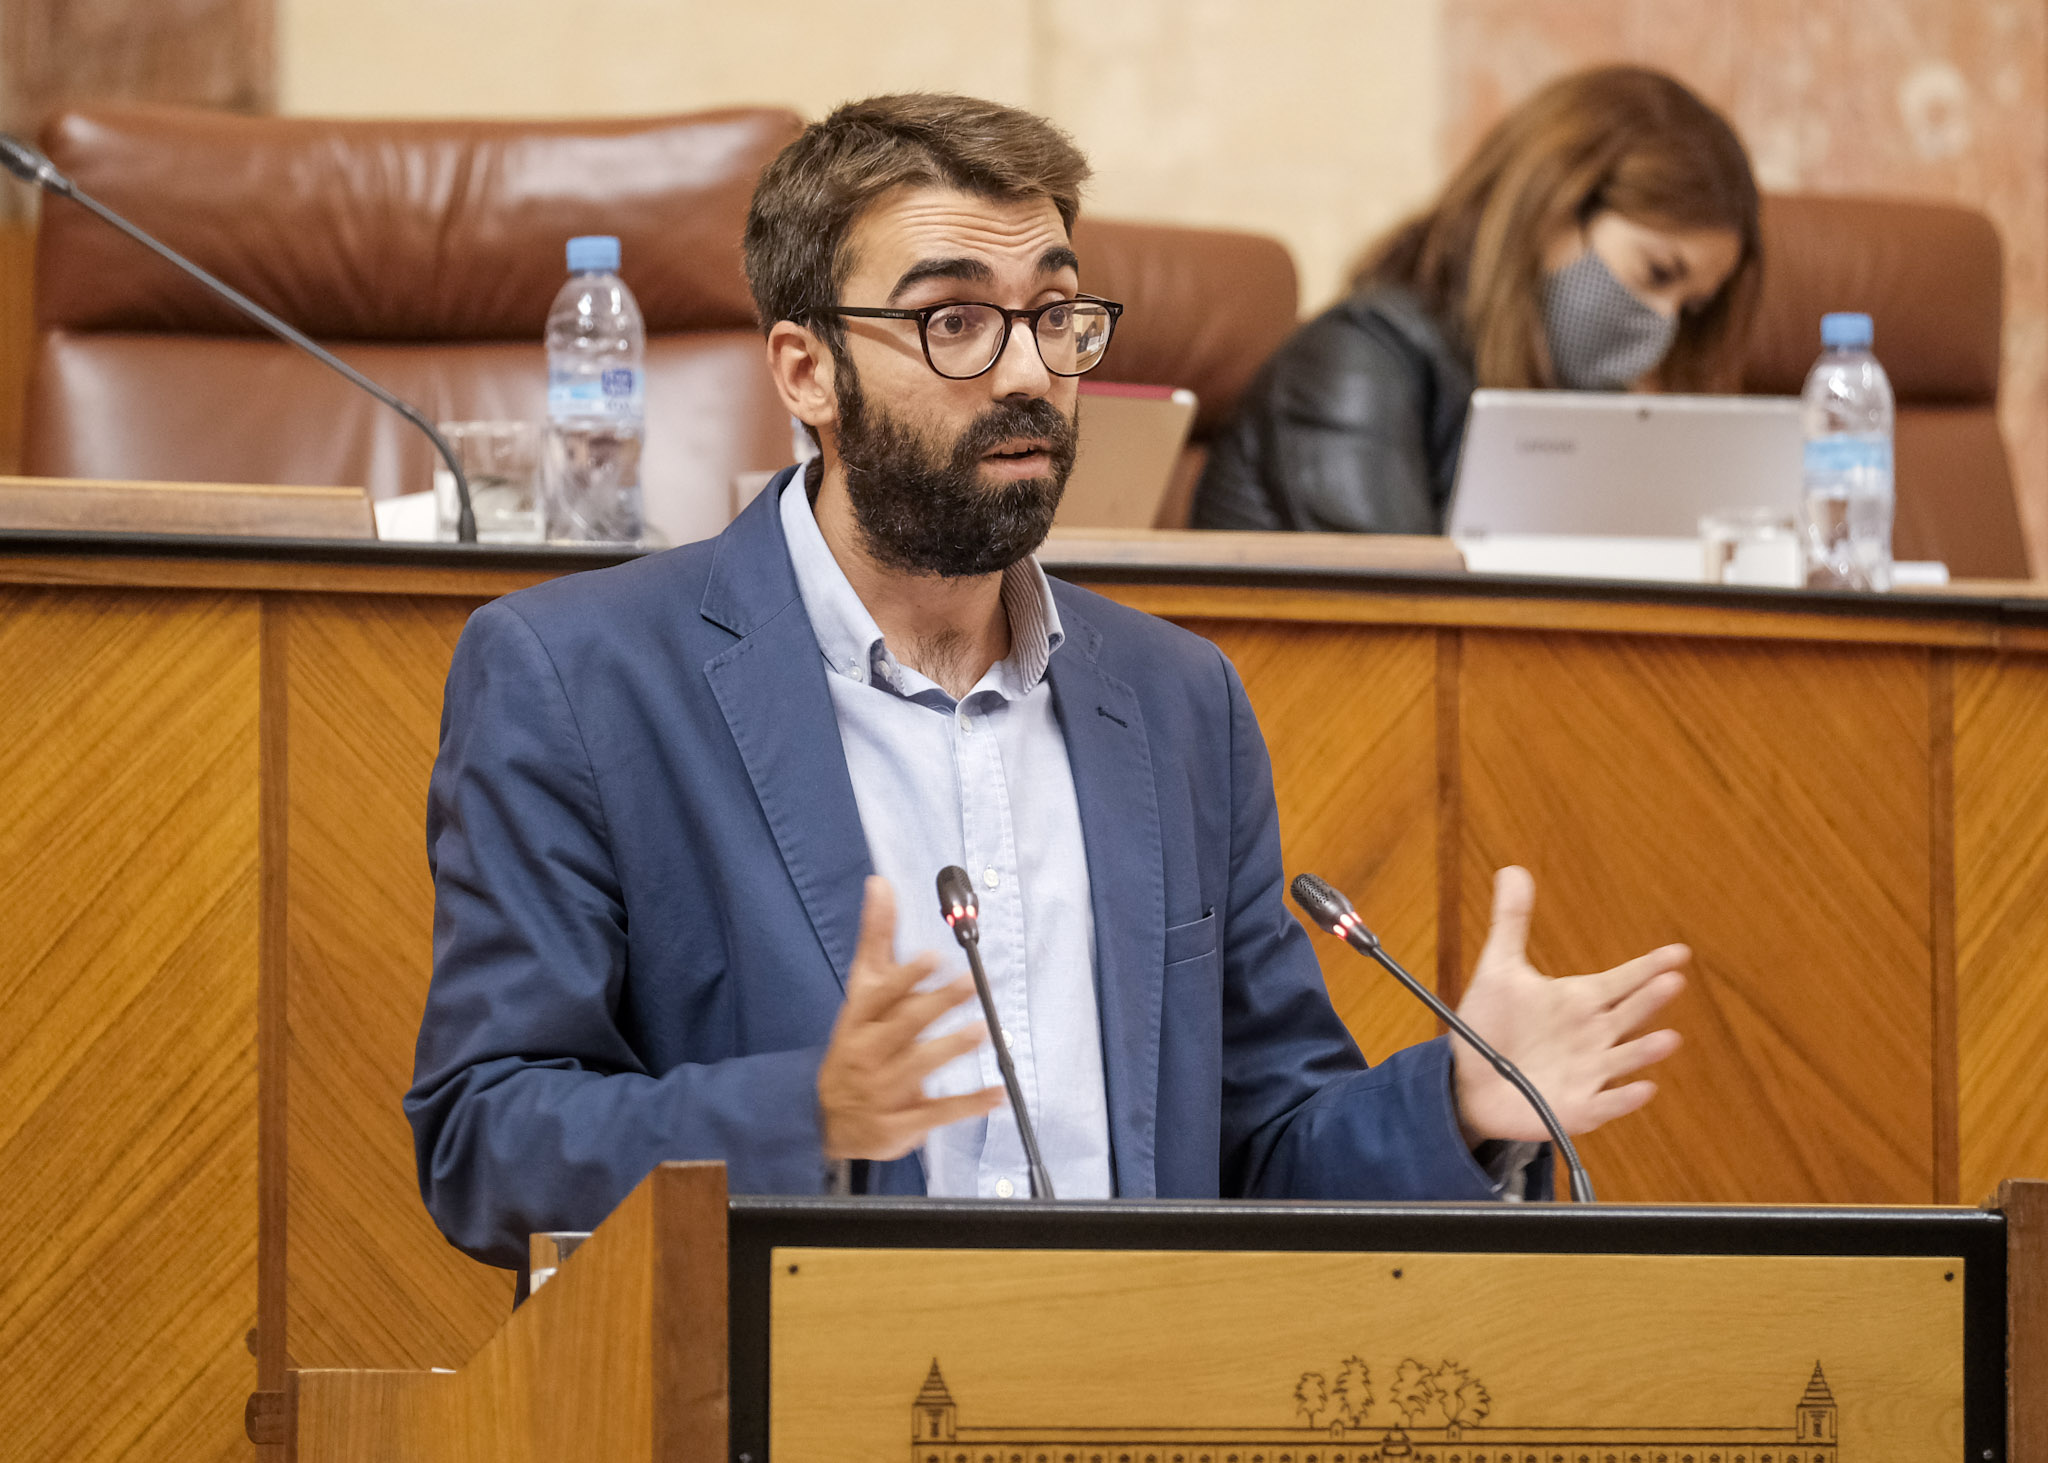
x=1919, y=573
x=1585, y=556
x=407, y=517
x=1655, y=560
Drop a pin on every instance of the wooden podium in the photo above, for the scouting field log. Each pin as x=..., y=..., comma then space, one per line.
x=690, y=1326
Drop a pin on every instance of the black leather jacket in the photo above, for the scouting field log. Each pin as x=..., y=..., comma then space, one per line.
x=1354, y=425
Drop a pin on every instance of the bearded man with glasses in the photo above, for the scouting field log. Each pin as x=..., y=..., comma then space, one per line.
x=676, y=801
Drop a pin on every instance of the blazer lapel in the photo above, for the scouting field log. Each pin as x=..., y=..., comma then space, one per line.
x=1112, y=765
x=771, y=688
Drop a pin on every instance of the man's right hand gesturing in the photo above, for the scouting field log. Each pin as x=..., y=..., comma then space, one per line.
x=871, y=1100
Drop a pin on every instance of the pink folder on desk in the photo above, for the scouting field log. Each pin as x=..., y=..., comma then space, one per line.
x=1131, y=441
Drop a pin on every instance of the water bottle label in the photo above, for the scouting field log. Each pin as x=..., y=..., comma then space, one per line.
x=618, y=392
x=1829, y=455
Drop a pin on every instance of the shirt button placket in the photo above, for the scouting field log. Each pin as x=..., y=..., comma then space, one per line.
x=975, y=803
x=1004, y=901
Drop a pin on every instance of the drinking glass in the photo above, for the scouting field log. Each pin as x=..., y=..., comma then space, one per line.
x=502, y=462
x=546, y=1250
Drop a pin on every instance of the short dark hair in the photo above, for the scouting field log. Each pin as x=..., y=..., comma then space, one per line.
x=808, y=198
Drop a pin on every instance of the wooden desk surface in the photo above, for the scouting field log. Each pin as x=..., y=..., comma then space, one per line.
x=1349, y=577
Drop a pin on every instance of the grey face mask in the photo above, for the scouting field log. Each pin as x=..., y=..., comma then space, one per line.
x=1601, y=337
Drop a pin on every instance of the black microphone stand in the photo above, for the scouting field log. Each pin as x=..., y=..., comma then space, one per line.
x=963, y=915
x=1333, y=912
x=29, y=165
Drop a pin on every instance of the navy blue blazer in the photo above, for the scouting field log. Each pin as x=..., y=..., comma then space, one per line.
x=647, y=869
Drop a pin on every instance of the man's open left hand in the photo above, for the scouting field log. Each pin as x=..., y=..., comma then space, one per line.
x=1572, y=1037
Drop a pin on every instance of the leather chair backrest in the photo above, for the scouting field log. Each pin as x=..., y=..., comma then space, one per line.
x=427, y=254
x=1930, y=277
x=1205, y=307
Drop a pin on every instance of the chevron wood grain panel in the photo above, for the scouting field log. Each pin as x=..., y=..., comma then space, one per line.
x=2001, y=853
x=128, y=985
x=1770, y=807
x=1349, y=716
x=371, y=1282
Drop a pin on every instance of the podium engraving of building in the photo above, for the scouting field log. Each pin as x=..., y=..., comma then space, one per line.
x=937, y=1435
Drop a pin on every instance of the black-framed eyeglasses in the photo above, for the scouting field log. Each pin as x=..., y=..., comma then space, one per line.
x=965, y=339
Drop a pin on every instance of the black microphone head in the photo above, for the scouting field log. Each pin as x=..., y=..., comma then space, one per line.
x=1328, y=906
x=1319, y=901
x=1330, y=909
x=29, y=165
x=958, y=904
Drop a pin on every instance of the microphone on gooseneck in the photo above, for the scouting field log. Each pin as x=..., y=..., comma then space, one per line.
x=963, y=914
x=1333, y=912
x=29, y=165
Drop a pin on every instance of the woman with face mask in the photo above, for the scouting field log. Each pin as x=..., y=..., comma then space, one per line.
x=1603, y=237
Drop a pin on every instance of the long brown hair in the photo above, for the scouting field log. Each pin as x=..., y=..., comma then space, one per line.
x=1617, y=137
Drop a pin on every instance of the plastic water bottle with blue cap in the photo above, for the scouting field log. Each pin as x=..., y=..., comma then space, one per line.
x=1847, y=408
x=597, y=344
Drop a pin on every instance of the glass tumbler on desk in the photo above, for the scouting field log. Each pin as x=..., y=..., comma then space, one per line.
x=547, y=1249
x=501, y=460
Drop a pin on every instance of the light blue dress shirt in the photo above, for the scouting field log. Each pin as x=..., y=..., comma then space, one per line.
x=984, y=783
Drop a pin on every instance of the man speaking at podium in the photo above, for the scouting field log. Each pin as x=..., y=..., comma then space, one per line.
x=687, y=811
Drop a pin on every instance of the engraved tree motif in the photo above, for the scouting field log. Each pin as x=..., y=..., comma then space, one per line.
x=1413, y=1391
x=1352, y=1392
x=1311, y=1396
x=1459, y=1396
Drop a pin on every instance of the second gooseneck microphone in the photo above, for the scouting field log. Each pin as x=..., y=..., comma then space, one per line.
x=29, y=165
x=963, y=913
x=1333, y=912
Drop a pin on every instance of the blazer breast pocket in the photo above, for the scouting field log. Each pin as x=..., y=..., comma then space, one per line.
x=1193, y=940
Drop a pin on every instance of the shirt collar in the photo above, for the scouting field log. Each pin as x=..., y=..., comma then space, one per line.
x=852, y=642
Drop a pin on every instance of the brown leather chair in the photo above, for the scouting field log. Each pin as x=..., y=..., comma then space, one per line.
x=1929, y=275
x=1203, y=310
x=426, y=254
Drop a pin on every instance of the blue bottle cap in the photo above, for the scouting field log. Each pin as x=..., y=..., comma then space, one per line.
x=1845, y=331
x=593, y=251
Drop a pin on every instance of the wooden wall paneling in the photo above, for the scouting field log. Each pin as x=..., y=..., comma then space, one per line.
x=1769, y=806
x=265, y=1406
x=1450, y=818
x=371, y=1281
x=128, y=986
x=2001, y=864
x=1349, y=716
x=1941, y=904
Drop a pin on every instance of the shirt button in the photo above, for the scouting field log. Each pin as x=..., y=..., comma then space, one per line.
x=990, y=877
x=1005, y=1189
x=967, y=726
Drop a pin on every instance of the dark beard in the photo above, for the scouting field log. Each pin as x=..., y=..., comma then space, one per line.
x=922, y=514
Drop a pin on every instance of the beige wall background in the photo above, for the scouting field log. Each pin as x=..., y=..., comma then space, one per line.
x=1316, y=120
x=1320, y=121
